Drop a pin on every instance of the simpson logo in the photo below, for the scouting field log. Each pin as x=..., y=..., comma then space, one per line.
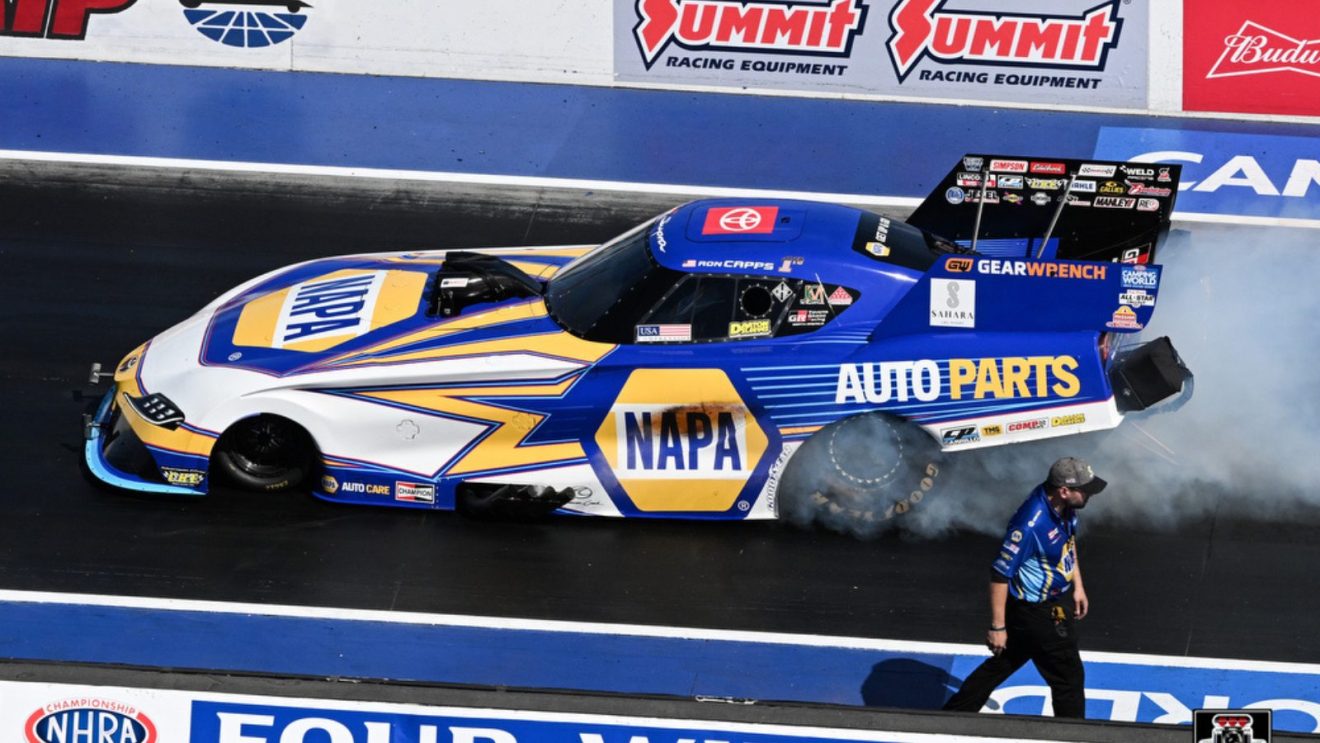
x=89, y=719
x=740, y=220
x=245, y=28
x=807, y=28
x=1008, y=166
x=60, y=19
x=922, y=28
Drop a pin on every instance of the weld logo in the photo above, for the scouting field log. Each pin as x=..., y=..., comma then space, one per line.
x=89, y=719
x=53, y=19
x=245, y=28
x=809, y=28
x=922, y=29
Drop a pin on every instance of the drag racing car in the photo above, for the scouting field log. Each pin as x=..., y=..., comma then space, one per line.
x=728, y=359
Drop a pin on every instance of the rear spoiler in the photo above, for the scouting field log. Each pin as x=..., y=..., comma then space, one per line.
x=1053, y=208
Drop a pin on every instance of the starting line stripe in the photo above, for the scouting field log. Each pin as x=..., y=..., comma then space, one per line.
x=225, y=166
x=617, y=630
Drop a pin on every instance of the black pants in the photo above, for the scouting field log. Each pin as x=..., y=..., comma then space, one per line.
x=1033, y=635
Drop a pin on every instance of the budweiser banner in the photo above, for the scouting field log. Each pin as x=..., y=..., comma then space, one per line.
x=1257, y=57
x=1091, y=52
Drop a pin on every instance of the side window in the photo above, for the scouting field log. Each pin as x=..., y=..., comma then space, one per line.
x=732, y=308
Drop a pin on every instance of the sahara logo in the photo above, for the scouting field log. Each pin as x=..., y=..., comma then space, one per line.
x=247, y=29
x=670, y=454
x=825, y=29
x=89, y=719
x=923, y=29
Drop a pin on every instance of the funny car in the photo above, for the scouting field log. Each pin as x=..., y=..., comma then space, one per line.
x=728, y=359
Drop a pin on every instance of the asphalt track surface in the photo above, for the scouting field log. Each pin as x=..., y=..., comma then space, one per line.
x=89, y=272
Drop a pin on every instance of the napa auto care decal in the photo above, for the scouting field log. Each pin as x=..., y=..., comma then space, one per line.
x=1043, y=51
x=54, y=19
x=1258, y=57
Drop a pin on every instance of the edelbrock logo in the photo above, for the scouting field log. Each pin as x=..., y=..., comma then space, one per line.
x=1258, y=50
x=922, y=29
x=810, y=28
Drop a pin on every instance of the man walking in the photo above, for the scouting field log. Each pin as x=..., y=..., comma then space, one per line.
x=1036, y=595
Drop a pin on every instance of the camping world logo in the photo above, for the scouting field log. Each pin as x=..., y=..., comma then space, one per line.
x=824, y=29
x=246, y=23
x=923, y=29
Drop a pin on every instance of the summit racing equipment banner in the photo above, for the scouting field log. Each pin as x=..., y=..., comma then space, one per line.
x=1260, y=57
x=1024, y=51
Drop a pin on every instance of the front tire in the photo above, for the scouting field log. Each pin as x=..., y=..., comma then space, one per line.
x=860, y=474
x=266, y=452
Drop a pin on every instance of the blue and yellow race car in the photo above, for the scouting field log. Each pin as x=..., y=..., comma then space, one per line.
x=729, y=359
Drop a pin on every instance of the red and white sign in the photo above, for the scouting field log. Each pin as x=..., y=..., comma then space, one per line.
x=729, y=25
x=1259, y=57
x=740, y=220
x=925, y=28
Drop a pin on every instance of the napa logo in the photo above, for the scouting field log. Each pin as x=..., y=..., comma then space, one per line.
x=672, y=454
x=89, y=720
x=238, y=23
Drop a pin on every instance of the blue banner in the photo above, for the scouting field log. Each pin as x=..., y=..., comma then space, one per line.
x=1224, y=172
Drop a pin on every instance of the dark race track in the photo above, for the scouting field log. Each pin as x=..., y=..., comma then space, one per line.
x=88, y=273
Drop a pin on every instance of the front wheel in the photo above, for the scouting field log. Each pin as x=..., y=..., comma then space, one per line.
x=860, y=474
x=266, y=453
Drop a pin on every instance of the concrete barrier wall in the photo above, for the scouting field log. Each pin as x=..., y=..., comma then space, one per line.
x=1124, y=54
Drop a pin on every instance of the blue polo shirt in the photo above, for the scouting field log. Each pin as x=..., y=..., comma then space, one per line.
x=1039, y=551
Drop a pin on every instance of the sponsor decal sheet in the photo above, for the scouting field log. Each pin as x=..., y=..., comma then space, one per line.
x=1026, y=51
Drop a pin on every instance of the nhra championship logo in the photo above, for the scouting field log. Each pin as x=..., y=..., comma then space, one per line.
x=89, y=719
x=231, y=23
x=923, y=29
x=808, y=28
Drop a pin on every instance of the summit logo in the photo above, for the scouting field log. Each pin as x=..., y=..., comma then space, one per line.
x=808, y=28
x=923, y=29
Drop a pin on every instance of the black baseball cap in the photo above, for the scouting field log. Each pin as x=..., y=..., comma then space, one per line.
x=1074, y=473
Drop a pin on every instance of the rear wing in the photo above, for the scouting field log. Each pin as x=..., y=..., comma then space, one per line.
x=1052, y=208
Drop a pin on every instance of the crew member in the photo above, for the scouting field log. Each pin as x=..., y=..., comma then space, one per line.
x=1036, y=595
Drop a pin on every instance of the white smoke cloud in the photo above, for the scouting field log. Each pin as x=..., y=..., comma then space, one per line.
x=1239, y=306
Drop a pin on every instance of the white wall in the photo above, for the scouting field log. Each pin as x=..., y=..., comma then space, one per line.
x=555, y=41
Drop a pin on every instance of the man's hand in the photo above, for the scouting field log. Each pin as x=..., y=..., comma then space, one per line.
x=996, y=640
x=1081, y=604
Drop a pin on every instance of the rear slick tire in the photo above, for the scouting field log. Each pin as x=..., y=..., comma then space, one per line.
x=860, y=474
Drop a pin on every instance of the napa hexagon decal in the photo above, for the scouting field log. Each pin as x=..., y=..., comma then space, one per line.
x=671, y=454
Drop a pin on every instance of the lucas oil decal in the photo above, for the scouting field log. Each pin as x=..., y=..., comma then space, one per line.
x=671, y=455
x=1020, y=377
